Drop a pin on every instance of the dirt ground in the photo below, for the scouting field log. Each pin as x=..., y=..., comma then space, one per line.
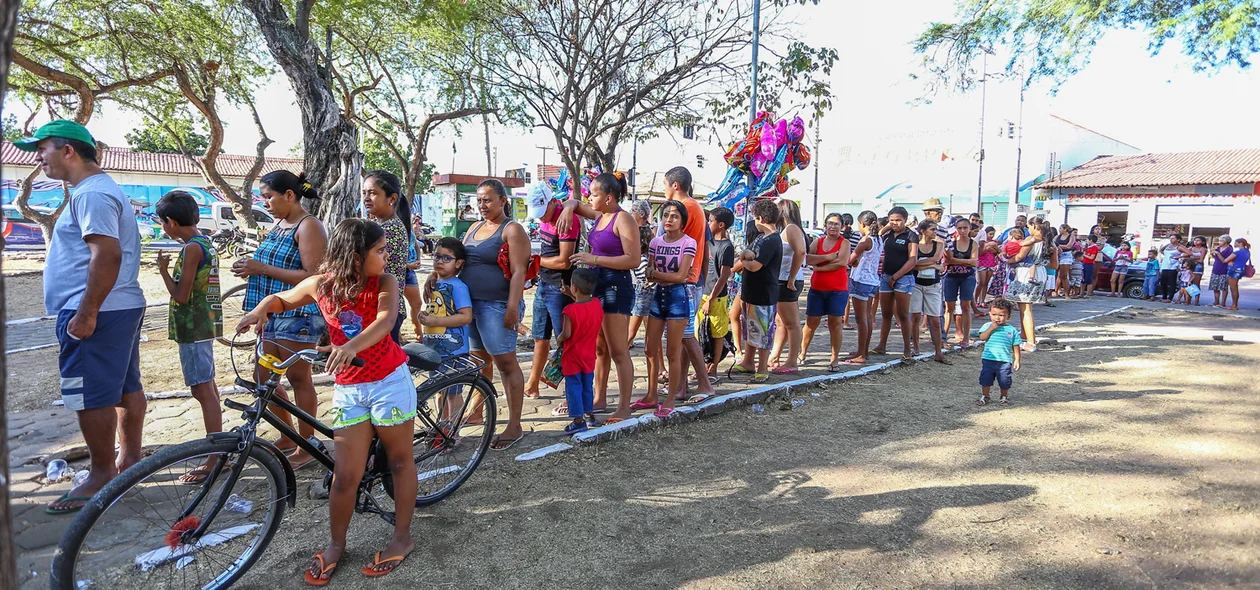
x=24, y=283
x=1129, y=458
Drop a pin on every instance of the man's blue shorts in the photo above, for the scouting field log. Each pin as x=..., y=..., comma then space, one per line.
x=96, y=371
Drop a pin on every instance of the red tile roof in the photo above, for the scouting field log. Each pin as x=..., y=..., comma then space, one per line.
x=1189, y=168
x=128, y=160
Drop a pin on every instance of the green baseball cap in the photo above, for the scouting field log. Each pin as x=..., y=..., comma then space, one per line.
x=59, y=128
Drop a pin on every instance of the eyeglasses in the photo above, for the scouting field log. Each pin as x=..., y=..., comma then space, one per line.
x=443, y=258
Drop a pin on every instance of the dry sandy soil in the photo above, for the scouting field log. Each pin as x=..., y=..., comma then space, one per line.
x=24, y=284
x=1129, y=458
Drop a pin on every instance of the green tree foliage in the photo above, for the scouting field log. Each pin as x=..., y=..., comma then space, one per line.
x=1052, y=39
x=594, y=73
x=154, y=138
x=12, y=129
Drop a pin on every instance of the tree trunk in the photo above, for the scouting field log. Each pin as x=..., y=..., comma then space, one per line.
x=330, y=141
x=23, y=203
x=8, y=552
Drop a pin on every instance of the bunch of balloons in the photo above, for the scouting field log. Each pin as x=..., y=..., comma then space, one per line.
x=760, y=163
x=561, y=187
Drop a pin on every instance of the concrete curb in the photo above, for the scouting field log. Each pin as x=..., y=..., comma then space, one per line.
x=755, y=395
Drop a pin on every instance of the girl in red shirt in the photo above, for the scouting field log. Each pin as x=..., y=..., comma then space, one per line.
x=359, y=302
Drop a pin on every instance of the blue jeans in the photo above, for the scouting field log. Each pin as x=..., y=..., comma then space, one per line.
x=549, y=304
x=579, y=394
x=1149, y=283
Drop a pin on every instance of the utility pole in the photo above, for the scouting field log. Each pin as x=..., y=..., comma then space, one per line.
x=817, y=142
x=545, y=149
x=752, y=106
x=485, y=122
x=984, y=80
x=1012, y=210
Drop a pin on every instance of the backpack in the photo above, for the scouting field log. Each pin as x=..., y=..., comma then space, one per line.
x=705, y=336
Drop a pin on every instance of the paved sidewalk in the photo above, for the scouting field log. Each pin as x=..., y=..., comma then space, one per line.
x=38, y=437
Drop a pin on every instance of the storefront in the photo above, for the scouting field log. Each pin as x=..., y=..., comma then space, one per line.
x=1144, y=199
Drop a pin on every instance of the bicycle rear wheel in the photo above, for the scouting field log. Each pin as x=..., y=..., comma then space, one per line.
x=448, y=445
x=233, y=302
x=128, y=536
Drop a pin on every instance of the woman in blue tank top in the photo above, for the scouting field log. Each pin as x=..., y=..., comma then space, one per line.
x=497, y=301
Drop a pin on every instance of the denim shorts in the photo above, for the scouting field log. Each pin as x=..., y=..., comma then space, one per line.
x=388, y=402
x=487, y=332
x=307, y=329
x=958, y=287
x=904, y=285
x=695, y=298
x=671, y=302
x=1236, y=273
x=615, y=291
x=411, y=280
x=1087, y=275
x=643, y=300
x=96, y=371
x=549, y=305
x=862, y=291
x=1002, y=372
x=821, y=303
x=197, y=361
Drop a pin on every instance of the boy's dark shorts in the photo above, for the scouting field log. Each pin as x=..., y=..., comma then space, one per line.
x=991, y=370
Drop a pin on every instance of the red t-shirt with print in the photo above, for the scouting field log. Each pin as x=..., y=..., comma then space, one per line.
x=578, y=352
x=349, y=320
x=1091, y=254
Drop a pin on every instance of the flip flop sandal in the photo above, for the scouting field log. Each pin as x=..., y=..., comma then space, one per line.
x=1003, y=401
x=854, y=362
x=984, y=400
x=878, y=351
x=639, y=404
x=560, y=411
x=943, y=361
x=612, y=420
x=741, y=370
x=700, y=398
x=785, y=370
x=664, y=412
x=834, y=367
x=760, y=378
x=297, y=466
x=370, y=570
x=498, y=444
x=66, y=497
x=601, y=411
x=324, y=568
x=202, y=473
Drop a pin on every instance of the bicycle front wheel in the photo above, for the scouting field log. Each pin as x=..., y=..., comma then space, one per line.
x=133, y=533
x=233, y=302
x=454, y=426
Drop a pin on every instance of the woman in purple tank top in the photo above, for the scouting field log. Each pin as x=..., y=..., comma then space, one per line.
x=614, y=255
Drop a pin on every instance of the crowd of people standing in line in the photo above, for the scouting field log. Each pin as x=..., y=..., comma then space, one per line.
x=677, y=273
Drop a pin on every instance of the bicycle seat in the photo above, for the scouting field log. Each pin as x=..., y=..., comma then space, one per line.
x=422, y=357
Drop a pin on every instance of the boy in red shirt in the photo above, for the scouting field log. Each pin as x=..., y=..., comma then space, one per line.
x=582, y=321
x=1091, y=255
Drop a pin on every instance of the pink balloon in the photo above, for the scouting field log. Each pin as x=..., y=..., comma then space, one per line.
x=796, y=131
x=770, y=140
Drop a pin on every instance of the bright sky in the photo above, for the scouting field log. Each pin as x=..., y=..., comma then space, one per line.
x=1156, y=103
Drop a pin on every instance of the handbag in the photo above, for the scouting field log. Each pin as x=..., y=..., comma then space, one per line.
x=531, y=266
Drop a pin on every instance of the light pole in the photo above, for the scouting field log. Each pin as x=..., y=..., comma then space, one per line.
x=984, y=79
x=1012, y=210
x=817, y=142
x=752, y=107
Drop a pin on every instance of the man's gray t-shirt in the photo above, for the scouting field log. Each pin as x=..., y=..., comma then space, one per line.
x=97, y=207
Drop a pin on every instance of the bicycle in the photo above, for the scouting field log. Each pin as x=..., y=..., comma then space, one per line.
x=146, y=529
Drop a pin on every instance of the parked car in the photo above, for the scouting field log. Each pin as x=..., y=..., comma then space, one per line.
x=1131, y=287
x=219, y=216
x=20, y=231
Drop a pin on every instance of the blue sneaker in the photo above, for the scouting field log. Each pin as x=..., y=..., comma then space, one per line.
x=575, y=427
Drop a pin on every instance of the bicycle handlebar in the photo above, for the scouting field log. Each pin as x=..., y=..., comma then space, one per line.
x=309, y=355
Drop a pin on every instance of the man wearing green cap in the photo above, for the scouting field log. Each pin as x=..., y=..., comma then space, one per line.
x=92, y=286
